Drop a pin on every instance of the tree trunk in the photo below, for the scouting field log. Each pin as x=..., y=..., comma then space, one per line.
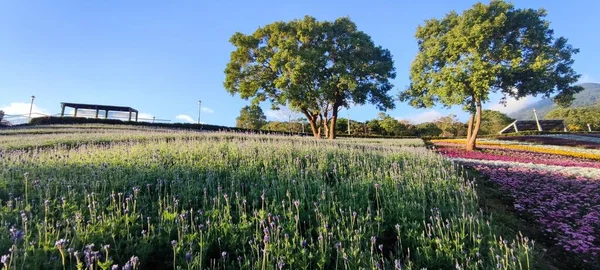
x=312, y=120
x=334, y=115
x=470, y=126
x=325, y=123
x=472, y=141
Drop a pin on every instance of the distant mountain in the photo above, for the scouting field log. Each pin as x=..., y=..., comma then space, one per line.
x=588, y=97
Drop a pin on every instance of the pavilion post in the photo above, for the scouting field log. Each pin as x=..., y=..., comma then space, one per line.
x=105, y=114
x=136, y=116
x=97, y=111
x=75, y=115
x=62, y=111
x=129, y=115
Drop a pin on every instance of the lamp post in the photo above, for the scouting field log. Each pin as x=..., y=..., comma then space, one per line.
x=199, y=110
x=31, y=107
x=348, y=124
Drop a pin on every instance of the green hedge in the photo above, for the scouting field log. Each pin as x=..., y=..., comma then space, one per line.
x=53, y=120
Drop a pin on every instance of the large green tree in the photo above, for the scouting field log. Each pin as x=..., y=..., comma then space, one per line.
x=251, y=117
x=314, y=67
x=493, y=121
x=463, y=58
x=450, y=125
x=578, y=119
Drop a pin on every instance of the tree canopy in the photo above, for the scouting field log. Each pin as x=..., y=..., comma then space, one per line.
x=577, y=119
x=251, y=117
x=493, y=121
x=493, y=48
x=314, y=67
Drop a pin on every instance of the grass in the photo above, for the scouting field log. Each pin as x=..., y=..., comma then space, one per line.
x=230, y=201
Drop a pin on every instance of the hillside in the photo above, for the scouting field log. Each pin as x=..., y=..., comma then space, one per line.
x=588, y=97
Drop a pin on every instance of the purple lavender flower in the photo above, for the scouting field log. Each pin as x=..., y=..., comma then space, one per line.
x=61, y=243
x=16, y=235
x=188, y=257
x=173, y=243
x=397, y=264
x=134, y=260
x=4, y=259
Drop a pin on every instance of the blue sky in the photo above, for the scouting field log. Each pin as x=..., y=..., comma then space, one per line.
x=161, y=57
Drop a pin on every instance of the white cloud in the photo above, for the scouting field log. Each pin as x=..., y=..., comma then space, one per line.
x=185, y=118
x=273, y=115
x=587, y=78
x=207, y=110
x=512, y=105
x=20, y=108
x=427, y=116
x=284, y=114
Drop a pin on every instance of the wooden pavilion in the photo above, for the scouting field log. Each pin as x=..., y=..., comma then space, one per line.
x=98, y=108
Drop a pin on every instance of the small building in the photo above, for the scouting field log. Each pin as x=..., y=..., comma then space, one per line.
x=98, y=108
x=534, y=125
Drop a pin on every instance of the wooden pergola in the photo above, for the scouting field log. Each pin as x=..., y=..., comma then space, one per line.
x=98, y=108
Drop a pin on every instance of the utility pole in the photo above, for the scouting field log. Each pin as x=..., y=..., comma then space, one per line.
x=31, y=107
x=199, y=110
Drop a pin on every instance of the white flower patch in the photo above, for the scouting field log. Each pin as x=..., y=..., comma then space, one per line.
x=591, y=173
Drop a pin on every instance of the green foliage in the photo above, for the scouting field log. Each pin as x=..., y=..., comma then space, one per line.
x=493, y=121
x=450, y=126
x=428, y=130
x=294, y=127
x=50, y=120
x=313, y=67
x=490, y=48
x=251, y=117
x=391, y=126
x=577, y=119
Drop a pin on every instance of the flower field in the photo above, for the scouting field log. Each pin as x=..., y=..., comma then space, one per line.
x=104, y=198
x=553, y=186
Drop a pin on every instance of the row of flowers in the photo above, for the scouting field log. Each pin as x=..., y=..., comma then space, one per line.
x=555, y=186
x=548, y=149
x=568, y=209
x=508, y=155
x=558, y=139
